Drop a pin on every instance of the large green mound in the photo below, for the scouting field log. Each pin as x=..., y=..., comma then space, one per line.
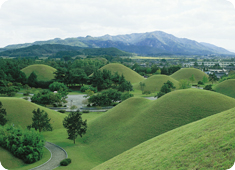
x=226, y=87
x=205, y=144
x=129, y=74
x=155, y=82
x=186, y=73
x=137, y=119
x=19, y=112
x=43, y=72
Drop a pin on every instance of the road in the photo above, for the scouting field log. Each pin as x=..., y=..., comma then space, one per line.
x=57, y=155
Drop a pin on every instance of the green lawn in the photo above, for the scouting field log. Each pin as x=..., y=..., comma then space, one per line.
x=206, y=144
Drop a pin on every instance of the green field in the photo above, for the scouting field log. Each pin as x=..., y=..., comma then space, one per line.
x=155, y=82
x=19, y=112
x=207, y=144
x=186, y=73
x=226, y=87
x=129, y=74
x=132, y=122
x=43, y=72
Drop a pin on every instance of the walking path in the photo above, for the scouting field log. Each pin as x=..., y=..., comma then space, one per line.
x=57, y=155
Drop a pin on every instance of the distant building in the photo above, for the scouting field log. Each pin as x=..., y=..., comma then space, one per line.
x=209, y=64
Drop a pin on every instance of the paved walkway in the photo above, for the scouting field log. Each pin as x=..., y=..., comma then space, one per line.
x=57, y=155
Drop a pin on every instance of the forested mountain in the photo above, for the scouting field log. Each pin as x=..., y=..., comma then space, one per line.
x=150, y=43
x=58, y=51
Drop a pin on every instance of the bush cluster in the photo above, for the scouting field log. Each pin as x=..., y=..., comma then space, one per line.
x=65, y=162
x=24, y=144
x=88, y=87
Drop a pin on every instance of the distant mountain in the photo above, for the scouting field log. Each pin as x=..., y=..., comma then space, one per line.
x=150, y=43
x=58, y=51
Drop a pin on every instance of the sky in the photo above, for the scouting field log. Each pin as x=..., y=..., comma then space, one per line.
x=25, y=21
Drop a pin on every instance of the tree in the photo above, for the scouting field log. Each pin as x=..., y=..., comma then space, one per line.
x=192, y=78
x=32, y=80
x=204, y=79
x=75, y=125
x=184, y=84
x=40, y=121
x=166, y=88
x=3, y=113
x=142, y=85
x=213, y=78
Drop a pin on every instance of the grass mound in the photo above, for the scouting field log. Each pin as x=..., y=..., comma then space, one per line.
x=186, y=73
x=137, y=119
x=129, y=74
x=19, y=112
x=205, y=144
x=155, y=82
x=43, y=72
x=226, y=87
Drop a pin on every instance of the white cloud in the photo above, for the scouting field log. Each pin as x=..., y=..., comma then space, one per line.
x=202, y=20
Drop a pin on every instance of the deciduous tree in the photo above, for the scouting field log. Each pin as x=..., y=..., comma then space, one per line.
x=75, y=125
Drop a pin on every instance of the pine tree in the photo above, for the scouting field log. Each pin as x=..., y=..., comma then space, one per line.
x=32, y=80
x=40, y=121
x=3, y=113
x=75, y=125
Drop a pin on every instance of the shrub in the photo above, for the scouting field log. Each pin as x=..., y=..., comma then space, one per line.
x=65, y=162
x=208, y=87
x=62, y=111
x=146, y=92
x=88, y=87
x=85, y=111
x=200, y=82
x=26, y=98
x=24, y=144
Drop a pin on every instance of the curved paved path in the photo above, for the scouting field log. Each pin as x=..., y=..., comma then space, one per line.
x=57, y=155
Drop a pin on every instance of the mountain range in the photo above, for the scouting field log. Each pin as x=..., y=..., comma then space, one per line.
x=148, y=44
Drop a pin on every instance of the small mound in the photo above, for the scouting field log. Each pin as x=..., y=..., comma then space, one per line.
x=19, y=112
x=137, y=119
x=226, y=87
x=186, y=73
x=204, y=144
x=43, y=72
x=129, y=74
x=155, y=82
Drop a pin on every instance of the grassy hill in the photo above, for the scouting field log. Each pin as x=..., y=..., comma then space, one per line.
x=155, y=82
x=205, y=144
x=43, y=72
x=186, y=73
x=19, y=112
x=226, y=87
x=129, y=74
x=137, y=119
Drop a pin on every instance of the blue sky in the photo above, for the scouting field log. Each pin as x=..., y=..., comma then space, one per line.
x=211, y=21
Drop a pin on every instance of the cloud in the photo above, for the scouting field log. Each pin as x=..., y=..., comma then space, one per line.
x=202, y=20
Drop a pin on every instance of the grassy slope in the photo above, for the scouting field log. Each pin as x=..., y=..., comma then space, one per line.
x=137, y=120
x=186, y=73
x=129, y=74
x=11, y=162
x=155, y=82
x=205, y=144
x=43, y=72
x=19, y=112
x=226, y=87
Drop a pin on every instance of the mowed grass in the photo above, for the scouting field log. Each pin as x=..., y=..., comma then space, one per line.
x=186, y=73
x=137, y=119
x=9, y=161
x=19, y=112
x=226, y=87
x=129, y=74
x=43, y=72
x=155, y=82
x=206, y=144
